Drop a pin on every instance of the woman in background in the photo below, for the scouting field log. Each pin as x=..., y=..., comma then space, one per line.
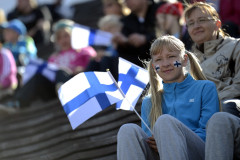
x=218, y=53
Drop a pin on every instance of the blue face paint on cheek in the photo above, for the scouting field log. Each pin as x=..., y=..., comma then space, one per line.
x=157, y=68
x=177, y=64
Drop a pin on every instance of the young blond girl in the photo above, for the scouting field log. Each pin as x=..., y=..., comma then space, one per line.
x=177, y=109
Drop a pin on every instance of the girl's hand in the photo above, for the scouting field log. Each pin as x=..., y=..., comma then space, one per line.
x=152, y=143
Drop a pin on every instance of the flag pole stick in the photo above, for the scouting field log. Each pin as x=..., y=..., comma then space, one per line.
x=128, y=101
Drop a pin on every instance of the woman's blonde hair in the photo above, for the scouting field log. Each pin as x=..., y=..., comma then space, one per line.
x=156, y=88
x=204, y=7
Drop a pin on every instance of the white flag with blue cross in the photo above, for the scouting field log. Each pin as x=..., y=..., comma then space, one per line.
x=83, y=36
x=87, y=94
x=132, y=80
x=40, y=66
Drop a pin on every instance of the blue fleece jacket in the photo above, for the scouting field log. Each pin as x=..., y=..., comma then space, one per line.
x=192, y=102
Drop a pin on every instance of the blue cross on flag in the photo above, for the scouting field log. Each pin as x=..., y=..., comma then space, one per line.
x=48, y=70
x=132, y=80
x=87, y=94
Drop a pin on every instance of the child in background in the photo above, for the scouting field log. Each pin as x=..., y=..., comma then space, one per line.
x=16, y=40
x=169, y=18
x=68, y=61
x=65, y=57
x=107, y=57
x=36, y=18
x=8, y=73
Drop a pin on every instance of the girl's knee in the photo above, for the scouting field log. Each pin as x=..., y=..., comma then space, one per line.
x=220, y=119
x=218, y=116
x=128, y=129
x=164, y=119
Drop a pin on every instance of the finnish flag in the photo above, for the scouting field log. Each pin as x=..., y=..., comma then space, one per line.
x=87, y=94
x=48, y=70
x=132, y=80
x=83, y=36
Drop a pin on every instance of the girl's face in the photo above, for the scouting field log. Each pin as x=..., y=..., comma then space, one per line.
x=201, y=26
x=63, y=39
x=169, y=67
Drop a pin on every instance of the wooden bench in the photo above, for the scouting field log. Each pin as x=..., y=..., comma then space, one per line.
x=43, y=131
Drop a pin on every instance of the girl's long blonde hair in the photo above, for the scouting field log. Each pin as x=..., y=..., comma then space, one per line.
x=156, y=87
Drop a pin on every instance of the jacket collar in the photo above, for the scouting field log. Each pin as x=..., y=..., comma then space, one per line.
x=169, y=87
x=209, y=47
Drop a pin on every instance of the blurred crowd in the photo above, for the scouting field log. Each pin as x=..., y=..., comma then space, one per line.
x=32, y=32
x=35, y=42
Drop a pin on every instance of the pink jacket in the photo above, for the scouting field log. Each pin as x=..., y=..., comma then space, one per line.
x=8, y=69
x=72, y=59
